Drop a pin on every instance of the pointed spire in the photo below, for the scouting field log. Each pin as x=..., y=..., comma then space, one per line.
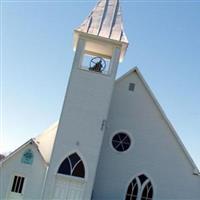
x=105, y=20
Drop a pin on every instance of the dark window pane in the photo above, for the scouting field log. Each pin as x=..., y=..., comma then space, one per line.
x=79, y=170
x=127, y=140
x=65, y=167
x=132, y=191
x=150, y=193
x=21, y=184
x=120, y=148
x=134, y=181
x=135, y=191
x=128, y=197
x=131, y=86
x=142, y=178
x=121, y=136
x=121, y=142
x=115, y=143
x=74, y=158
x=116, y=137
x=145, y=191
x=17, y=184
x=14, y=183
x=129, y=191
x=126, y=146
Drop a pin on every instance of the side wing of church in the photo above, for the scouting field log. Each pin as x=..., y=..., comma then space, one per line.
x=23, y=172
x=113, y=141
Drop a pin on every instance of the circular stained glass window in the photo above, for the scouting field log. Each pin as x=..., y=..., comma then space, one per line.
x=121, y=142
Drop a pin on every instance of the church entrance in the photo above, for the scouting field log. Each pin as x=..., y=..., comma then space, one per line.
x=70, y=179
x=68, y=188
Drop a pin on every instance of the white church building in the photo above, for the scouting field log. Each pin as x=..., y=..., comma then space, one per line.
x=112, y=141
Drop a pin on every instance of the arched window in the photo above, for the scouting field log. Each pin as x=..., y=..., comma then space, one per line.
x=140, y=188
x=27, y=157
x=73, y=166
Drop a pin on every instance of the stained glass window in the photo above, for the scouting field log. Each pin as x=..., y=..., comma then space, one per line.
x=27, y=157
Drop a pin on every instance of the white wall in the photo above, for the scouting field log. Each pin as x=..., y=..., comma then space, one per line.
x=85, y=107
x=154, y=150
x=34, y=174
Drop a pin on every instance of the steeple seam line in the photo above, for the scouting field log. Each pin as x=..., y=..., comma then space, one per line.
x=103, y=17
x=114, y=17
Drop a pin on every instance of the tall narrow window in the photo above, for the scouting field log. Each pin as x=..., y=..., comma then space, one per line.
x=73, y=166
x=140, y=188
x=18, y=184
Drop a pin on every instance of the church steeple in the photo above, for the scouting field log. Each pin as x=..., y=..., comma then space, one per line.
x=105, y=21
x=100, y=43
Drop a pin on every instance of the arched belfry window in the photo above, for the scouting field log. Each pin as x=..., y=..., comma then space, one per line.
x=140, y=189
x=96, y=63
x=72, y=166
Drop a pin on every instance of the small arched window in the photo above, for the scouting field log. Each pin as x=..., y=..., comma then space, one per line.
x=27, y=157
x=72, y=166
x=140, y=188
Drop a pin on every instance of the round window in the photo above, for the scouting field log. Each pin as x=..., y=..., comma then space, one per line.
x=121, y=142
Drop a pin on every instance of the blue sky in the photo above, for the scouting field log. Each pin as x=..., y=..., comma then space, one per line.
x=37, y=38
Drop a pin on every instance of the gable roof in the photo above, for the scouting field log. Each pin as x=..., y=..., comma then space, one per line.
x=32, y=142
x=43, y=143
x=173, y=131
x=105, y=20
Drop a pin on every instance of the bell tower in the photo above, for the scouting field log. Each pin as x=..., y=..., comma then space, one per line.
x=99, y=44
